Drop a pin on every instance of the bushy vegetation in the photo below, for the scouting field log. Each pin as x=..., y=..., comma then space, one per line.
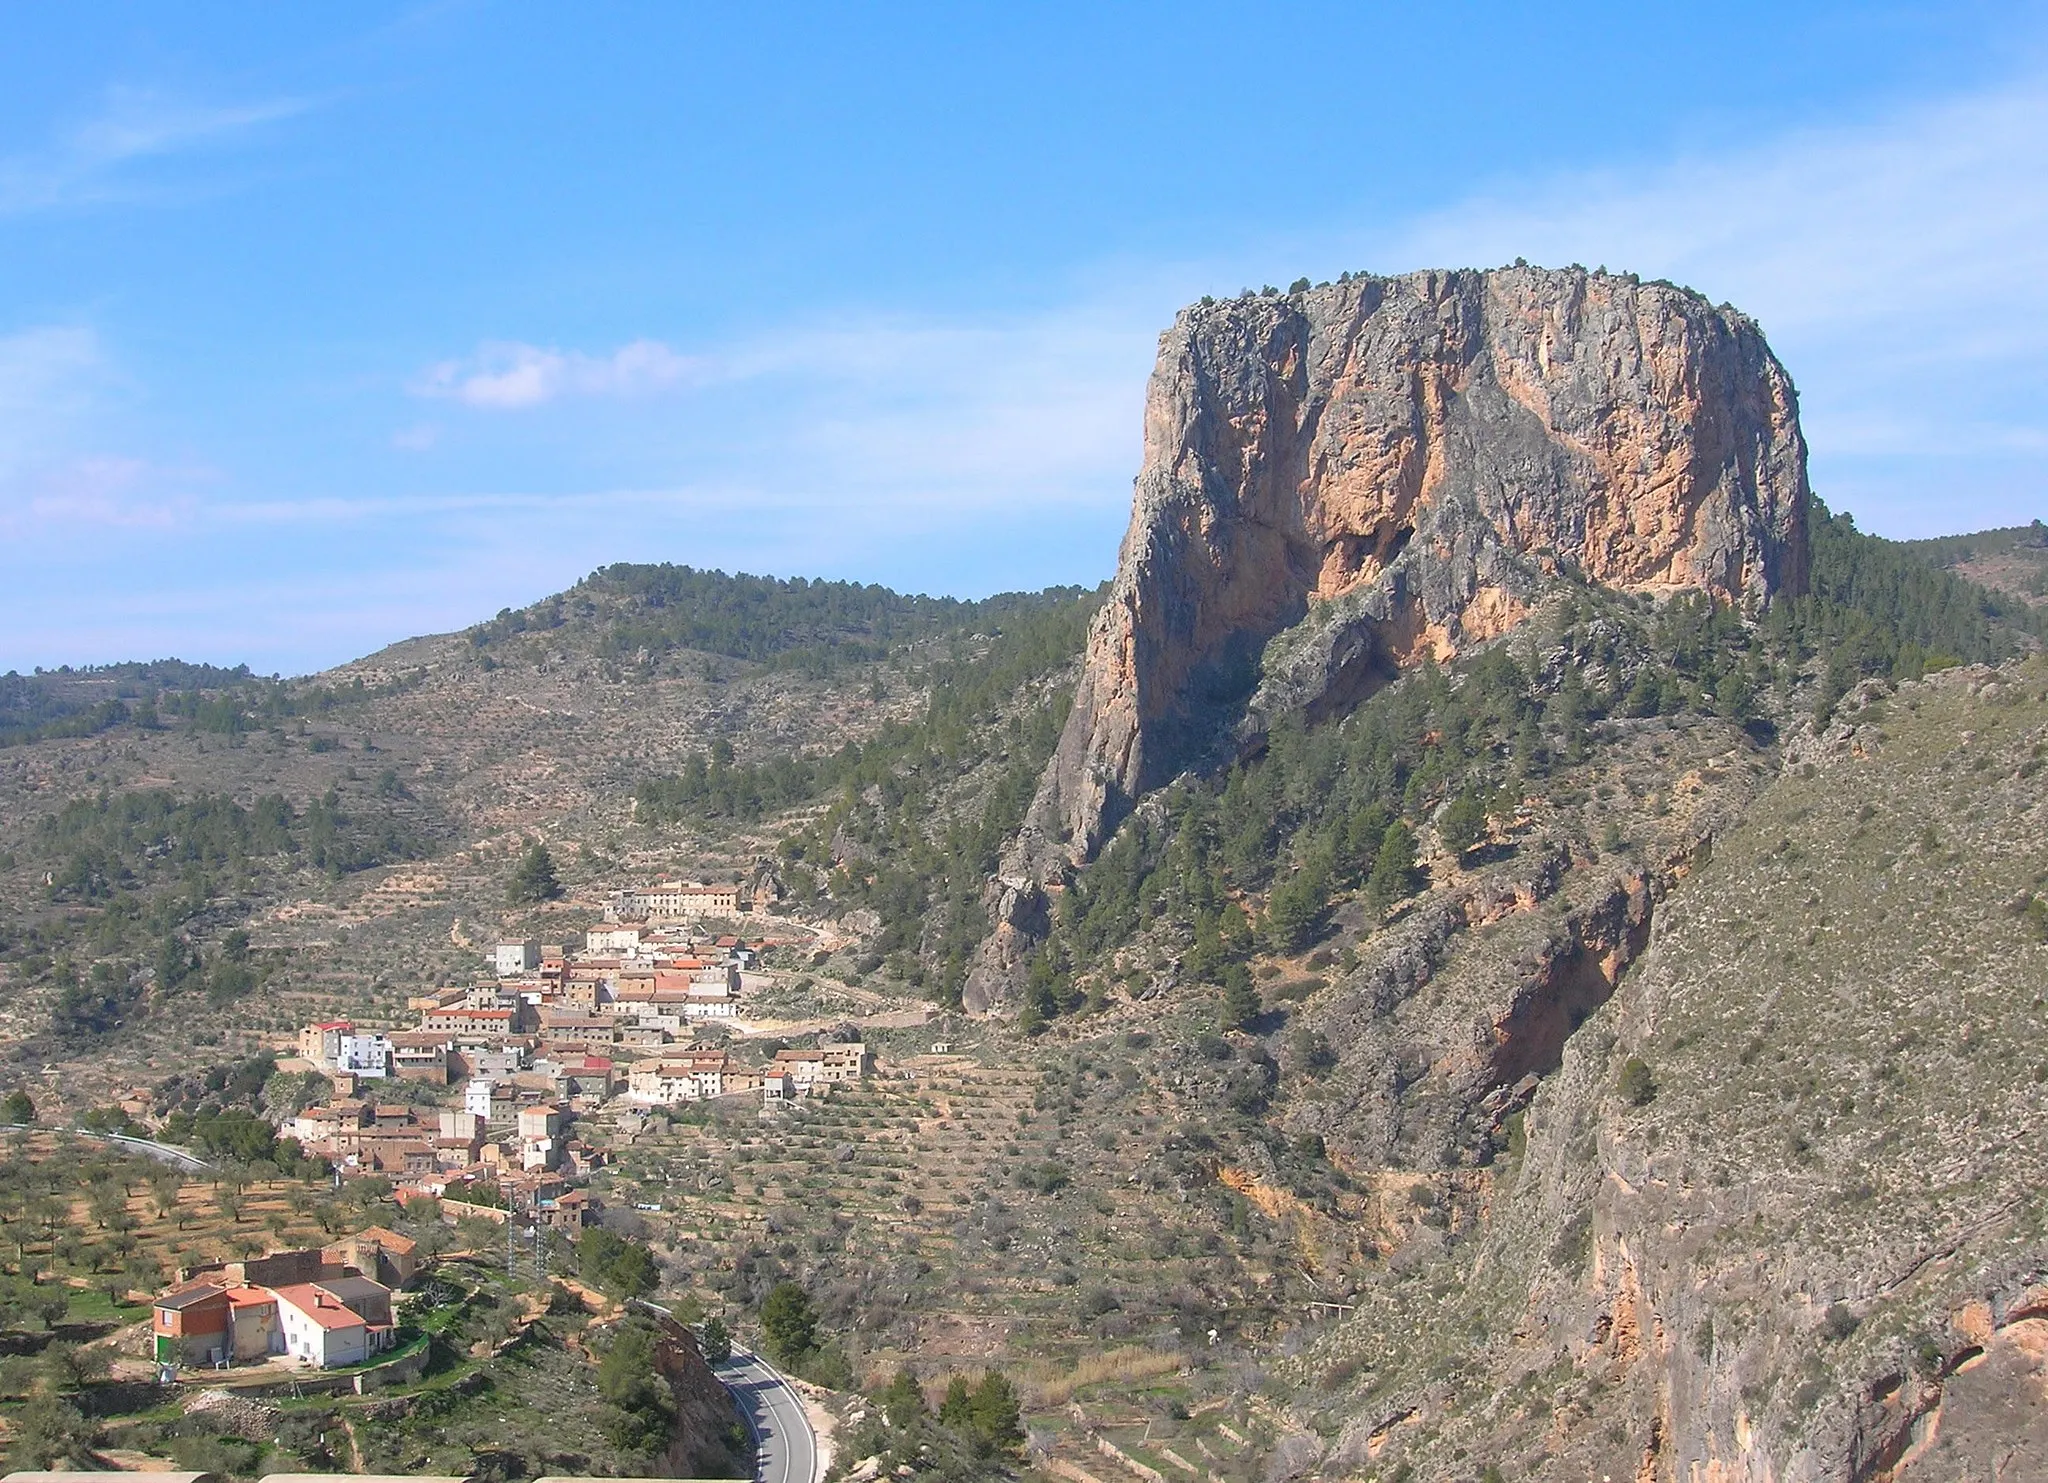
x=115, y=841
x=141, y=878
x=1951, y=550
x=1340, y=807
x=86, y=701
x=640, y=1409
x=710, y=786
x=1879, y=607
x=974, y=1432
x=621, y=1267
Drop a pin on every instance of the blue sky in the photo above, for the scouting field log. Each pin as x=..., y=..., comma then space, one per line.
x=324, y=326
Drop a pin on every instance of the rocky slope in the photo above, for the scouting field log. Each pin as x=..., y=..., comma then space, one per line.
x=1804, y=1239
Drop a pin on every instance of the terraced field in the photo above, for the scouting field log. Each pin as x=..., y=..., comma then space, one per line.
x=951, y=1214
x=118, y=1223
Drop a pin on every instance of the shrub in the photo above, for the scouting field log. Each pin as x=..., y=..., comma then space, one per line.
x=1636, y=1085
x=1574, y=1243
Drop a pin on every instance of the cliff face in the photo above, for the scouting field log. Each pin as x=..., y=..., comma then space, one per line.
x=1389, y=467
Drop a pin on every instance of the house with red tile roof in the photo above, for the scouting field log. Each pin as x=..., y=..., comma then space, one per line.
x=319, y=1328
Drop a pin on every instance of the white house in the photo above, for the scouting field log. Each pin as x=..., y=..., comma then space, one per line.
x=673, y=900
x=515, y=958
x=365, y=1055
x=828, y=1063
x=319, y=1328
x=540, y=1137
x=476, y=1098
x=710, y=1002
x=612, y=940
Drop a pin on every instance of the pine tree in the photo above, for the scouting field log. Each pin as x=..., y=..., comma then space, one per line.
x=534, y=880
x=1463, y=823
x=789, y=1323
x=903, y=1401
x=957, y=1407
x=1393, y=869
x=1297, y=906
x=994, y=1413
x=716, y=1342
x=1240, y=998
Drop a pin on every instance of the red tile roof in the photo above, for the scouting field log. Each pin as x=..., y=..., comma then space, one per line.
x=322, y=1307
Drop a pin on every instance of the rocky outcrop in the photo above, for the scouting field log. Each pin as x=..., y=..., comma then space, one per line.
x=1342, y=480
x=708, y=1438
x=1401, y=461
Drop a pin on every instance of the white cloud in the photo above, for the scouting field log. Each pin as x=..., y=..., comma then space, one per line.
x=90, y=163
x=106, y=489
x=866, y=411
x=506, y=374
x=1900, y=266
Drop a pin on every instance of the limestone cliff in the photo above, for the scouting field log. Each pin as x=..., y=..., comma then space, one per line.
x=1401, y=461
x=1342, y=480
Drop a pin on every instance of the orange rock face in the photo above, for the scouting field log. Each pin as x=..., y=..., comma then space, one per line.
x=1403, y=462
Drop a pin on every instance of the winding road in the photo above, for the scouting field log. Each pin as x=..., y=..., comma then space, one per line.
x=149, y=1148
x=785, y=1448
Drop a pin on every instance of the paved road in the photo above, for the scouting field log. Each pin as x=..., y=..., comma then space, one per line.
x=785, y=1448
x=163, y=1153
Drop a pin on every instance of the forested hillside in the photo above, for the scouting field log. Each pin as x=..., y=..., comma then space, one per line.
x=2013, y=562
x=638, y=613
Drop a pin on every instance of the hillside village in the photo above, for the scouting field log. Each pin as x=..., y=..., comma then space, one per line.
x=499, y=1071
x=644, y=1010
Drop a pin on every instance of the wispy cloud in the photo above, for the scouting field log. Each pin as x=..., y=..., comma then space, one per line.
x=93, y=161
x=110, y=490
x=55, y=470
x=47, y=377
x=505, y=375
x=1900, y=266
x=898, y=410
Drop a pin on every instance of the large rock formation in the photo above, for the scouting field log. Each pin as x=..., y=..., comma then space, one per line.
x=1341, y=480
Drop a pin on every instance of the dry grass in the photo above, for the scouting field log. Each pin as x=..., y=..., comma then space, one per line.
x=1044, y=1384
